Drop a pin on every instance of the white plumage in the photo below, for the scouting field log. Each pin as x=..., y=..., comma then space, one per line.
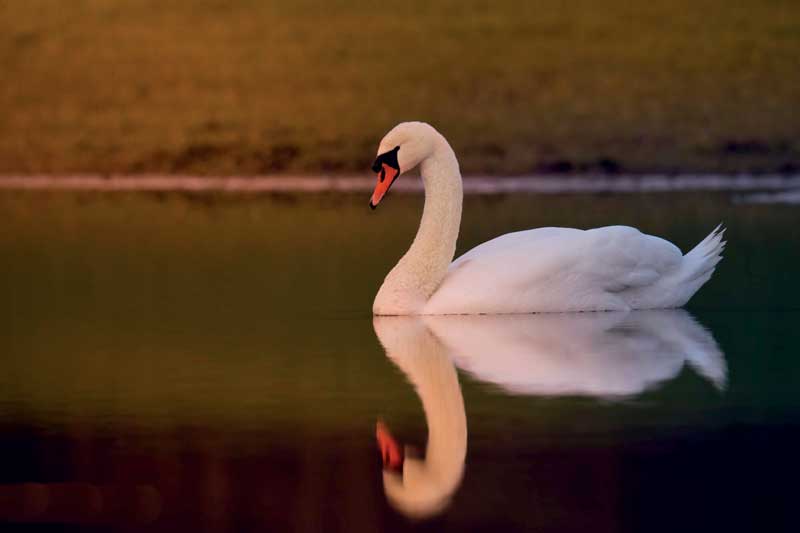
x=614, y=268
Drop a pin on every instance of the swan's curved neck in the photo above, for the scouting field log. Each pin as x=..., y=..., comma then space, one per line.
x=423, y=267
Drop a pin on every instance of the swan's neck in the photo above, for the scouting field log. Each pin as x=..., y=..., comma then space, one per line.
x=434, y=245
x=420, y=271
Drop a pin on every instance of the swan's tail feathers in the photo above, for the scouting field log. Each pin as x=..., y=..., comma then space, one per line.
x=701, y=261
x=705, y=256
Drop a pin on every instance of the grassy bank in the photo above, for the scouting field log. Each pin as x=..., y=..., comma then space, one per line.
x=250, y=87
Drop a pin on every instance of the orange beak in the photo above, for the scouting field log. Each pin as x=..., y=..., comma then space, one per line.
x=386, y=177
x=391, y=453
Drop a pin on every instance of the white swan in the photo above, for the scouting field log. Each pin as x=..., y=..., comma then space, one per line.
x=614, y=268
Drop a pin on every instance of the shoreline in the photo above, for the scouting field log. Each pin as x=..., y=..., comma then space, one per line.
x=542, y=184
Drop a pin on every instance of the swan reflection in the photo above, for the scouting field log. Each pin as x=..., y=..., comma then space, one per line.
x=592, y=354
x=420, y=487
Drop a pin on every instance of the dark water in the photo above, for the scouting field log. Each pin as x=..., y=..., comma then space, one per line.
x=199, y=363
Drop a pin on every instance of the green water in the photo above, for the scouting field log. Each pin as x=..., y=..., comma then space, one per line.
x=219, y=354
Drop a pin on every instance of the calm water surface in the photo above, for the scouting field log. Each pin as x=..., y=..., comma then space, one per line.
x=173, y=362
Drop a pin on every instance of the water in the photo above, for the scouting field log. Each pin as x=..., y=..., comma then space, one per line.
x=182, y=362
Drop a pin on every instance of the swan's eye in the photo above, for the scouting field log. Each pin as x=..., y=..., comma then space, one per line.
x=390, y=158
x=386, y=158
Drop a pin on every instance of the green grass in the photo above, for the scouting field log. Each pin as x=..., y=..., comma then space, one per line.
x=248, y=86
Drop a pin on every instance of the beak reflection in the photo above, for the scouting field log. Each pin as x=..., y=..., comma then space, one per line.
x=391, y=452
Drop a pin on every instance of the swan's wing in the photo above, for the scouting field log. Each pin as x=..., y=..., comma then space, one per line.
x=623, y=258
x=554, y=269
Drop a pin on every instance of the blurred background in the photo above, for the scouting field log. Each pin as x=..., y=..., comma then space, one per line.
x=518, y=87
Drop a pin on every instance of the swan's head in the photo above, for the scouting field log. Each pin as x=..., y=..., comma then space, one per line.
x=402, y=149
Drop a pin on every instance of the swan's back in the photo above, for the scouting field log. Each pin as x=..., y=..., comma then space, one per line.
x=613, y=268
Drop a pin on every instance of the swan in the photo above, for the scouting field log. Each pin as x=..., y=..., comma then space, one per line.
x=614, y=268
x=603, y=355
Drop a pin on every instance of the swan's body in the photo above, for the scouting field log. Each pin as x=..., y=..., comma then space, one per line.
x=614, y=268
